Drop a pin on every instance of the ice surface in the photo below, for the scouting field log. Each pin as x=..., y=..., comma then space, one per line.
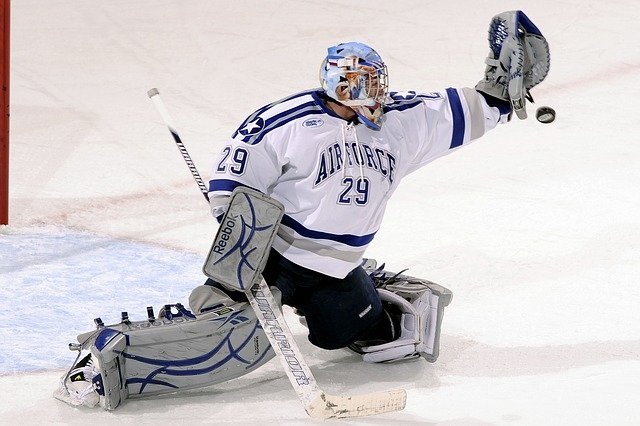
x=536, y=228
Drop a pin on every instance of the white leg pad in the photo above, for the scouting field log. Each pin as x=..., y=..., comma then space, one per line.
x=176, y=351
x=422, y=305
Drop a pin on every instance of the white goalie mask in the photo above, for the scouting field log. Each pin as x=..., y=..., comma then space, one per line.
x=355, y=75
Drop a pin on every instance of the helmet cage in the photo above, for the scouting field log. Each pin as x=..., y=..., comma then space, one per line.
x=353, y=80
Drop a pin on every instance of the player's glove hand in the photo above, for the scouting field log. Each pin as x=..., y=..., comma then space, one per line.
x=518, y=60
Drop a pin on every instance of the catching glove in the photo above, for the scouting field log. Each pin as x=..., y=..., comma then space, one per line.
x=518, y=60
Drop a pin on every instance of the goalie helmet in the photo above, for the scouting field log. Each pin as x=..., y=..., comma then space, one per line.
x=355, y=75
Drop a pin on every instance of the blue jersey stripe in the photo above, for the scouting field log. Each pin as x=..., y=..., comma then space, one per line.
x=347, y=239
x=279, y=120
x=224, y=185
x=457, y=138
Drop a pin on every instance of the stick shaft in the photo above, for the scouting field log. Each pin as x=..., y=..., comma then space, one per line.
x=283, y=343
x=154, y=95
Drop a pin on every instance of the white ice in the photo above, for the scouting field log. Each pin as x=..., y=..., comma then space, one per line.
x=535, y=228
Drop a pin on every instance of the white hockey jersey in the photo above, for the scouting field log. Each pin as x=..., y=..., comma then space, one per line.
x=335, y=177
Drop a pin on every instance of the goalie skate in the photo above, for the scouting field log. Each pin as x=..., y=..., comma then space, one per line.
x=77, y=387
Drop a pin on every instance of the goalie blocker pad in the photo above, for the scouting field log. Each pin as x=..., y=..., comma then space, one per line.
x=176, y=351
x=241, y=246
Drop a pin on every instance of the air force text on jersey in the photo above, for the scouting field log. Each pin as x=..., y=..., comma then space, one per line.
x=332, y=160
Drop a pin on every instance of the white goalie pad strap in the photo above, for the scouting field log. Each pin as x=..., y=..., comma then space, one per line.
x=406, y=345
x=401, y=350
x=409, y=321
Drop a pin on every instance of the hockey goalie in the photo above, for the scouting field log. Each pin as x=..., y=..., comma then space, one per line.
x=300, y=190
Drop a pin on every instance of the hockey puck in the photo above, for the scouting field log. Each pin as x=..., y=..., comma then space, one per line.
x=545, y=114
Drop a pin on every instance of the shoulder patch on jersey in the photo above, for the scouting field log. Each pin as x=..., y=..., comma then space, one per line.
x=313, y=122
x=252, y=127
x=403, y=96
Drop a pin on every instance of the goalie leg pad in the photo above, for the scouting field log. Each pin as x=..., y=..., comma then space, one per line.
x=174, y=352
x=421, y=304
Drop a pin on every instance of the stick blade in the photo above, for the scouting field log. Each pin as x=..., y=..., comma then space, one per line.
x=331, y=406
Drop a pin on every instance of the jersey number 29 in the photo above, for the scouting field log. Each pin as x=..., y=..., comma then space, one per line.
x=356, y=191
x=238, y=160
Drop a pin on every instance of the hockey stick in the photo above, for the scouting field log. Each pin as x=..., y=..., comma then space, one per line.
x=236, y=260
x=154, y=95
x=316, y=402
